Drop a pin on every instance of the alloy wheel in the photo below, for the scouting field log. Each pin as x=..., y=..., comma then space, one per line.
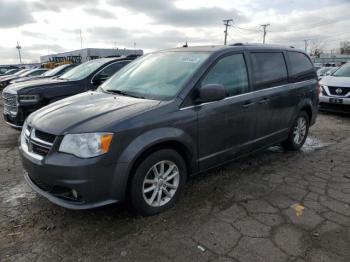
x=299, y=131
x=161, y=183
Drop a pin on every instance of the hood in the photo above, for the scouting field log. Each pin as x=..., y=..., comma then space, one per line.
x=335, y=81
x=28, y=78
x=88, y=112
x=8, y=78
x=36, y=85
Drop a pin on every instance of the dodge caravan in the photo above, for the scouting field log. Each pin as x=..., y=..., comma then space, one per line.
x=164, y=117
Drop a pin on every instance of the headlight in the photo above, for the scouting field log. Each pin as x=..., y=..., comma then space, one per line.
x=24, y=128
x=86, y=145
x=28, y=98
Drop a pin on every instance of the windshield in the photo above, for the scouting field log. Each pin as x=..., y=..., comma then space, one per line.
x=157, y=76
x=54, y=71
x=343, y=71
x=83, y=70
x=28, y=73
x=21, y=72
x=323, y=70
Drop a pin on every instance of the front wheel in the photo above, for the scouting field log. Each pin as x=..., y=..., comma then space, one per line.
x=157, y=182
x=298, y=133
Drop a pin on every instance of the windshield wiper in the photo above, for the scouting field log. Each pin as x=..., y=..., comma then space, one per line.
x=123, y=93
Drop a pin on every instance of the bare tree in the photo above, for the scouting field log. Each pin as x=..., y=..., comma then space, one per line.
x=317, y=48
x=345, y=48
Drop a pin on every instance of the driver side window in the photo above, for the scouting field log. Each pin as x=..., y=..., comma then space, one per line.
x=230, y=72
x=110, y=70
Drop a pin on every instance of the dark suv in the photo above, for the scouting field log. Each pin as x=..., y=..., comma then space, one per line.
x=21, y=99
x=164, y=117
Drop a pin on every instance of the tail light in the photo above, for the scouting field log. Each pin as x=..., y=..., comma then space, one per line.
x=318, y=88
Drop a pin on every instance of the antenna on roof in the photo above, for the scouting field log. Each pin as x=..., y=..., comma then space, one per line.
x=185, y=45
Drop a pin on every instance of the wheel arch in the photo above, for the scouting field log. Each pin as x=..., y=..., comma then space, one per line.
x=154, y=140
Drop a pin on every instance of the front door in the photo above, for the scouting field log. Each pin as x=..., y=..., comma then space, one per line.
x=225, y=126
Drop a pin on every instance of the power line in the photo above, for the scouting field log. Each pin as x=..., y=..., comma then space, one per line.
x=312, y=26
x=264, y=26
x=247, y=29
x=226, y=24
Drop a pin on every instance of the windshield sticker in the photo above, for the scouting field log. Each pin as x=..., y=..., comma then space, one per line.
x=189, y=59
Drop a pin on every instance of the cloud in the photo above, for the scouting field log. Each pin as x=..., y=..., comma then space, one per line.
x=10, y=55
x=99, y=12
x=36, y=35
x=166, y=12
x=109, y=33
x=146, y=39
x=58, y=5
x=14, y=13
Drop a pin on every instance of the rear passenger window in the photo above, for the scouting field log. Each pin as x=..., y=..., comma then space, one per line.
x=269, y=70
x=230, y=72
x=301, y=67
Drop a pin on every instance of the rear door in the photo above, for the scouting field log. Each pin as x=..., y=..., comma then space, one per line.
x=225, y=127
x=273, y=95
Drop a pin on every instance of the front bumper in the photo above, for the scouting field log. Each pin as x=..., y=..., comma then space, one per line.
x=13, y=121
x=95, y=181
x=326, y=105
x=17, y=120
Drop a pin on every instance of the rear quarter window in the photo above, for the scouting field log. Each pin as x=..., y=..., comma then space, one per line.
x=269, y=70
x=301, y=68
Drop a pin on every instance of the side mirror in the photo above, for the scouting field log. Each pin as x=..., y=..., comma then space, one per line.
x=99, y=79
x=210, y=93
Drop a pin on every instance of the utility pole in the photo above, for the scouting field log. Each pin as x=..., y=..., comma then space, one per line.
x=19, y=52
x=81, y=40
x=264, y=28
x=306, y=44
x=226, y=24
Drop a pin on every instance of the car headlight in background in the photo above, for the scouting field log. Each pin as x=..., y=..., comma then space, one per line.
x=323, y=91
x=28, y=99
x=86, y=145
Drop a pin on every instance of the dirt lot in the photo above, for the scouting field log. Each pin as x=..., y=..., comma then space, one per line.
x=251, y=210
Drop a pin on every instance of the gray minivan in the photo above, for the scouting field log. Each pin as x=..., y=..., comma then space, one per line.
x=166, y=116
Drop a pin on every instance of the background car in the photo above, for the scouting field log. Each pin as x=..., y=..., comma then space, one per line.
x=4, y=69
x=11, y=71
x=21, y=99
x=5, y=80
x=324, y=71
x=55, y=72
x=335, y=91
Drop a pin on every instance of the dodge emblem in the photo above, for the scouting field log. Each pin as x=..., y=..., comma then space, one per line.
x=339, y=91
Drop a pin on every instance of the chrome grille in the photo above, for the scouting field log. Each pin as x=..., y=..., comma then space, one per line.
x=10, y=103
x=339, y=91
x=35, y=146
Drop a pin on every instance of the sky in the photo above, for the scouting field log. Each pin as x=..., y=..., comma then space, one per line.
x=51, y=26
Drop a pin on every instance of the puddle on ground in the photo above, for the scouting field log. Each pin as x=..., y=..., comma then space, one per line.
x=313, y=143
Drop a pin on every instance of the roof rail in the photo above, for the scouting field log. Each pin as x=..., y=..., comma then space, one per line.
x=237, y=44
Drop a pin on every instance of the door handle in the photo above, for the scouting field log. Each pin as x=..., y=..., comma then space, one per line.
x=264, y=101
x=248, y=104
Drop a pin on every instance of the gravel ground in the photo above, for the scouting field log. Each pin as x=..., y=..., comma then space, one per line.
x=272, y=206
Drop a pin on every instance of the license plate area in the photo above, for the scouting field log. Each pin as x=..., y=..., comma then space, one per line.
x=336, y=100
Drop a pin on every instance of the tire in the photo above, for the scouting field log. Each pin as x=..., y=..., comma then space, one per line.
x=144, y=192
x=294, y=143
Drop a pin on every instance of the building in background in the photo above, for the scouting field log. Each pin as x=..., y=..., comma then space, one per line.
x=86, y=54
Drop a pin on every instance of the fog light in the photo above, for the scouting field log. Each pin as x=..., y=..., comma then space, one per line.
x=74, y=193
